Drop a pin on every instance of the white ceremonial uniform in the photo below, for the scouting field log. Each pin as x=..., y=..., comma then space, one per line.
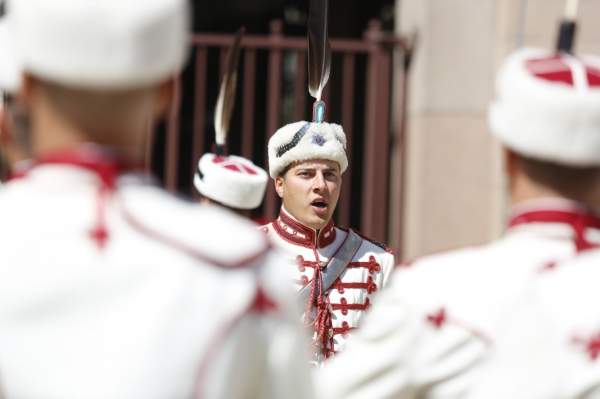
x=552, y=350
x=112, y=288
x=432, y=329
x=351, y=293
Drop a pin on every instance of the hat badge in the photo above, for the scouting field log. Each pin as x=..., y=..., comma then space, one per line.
x=318, y=139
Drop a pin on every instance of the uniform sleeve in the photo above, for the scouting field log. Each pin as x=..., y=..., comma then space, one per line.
x=398, y=353
x=265, y=354
x=550, y=346
x=524, y=355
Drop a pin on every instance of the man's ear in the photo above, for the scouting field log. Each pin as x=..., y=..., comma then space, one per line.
x=511, y=162
x=279, y=186
x=512, y=168
x=28, y=88
x=166, y=96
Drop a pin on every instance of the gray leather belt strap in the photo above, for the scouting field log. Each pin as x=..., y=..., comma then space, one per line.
x=336, y=265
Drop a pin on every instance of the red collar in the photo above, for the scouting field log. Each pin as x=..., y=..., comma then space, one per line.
x=578, y=218
x=295, y=232
x=105, y=163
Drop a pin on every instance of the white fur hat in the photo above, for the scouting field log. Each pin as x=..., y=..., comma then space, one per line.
x=10, y=73
x=103, y=44
x=301, y=141
x=232, y=181
x=548, y=107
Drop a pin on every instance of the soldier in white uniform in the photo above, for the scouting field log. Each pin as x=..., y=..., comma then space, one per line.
x=230, y=181
x=436, y=325
x=551, y=346
x=111, y=287
x=337, y=271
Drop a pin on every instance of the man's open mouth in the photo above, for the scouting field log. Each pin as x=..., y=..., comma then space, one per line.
x=321, y=204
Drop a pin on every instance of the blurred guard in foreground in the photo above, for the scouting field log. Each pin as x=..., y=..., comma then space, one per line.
x=112, y=288
x=551, y=349
x=437, y=324
x=336, y=271
x=230, y=181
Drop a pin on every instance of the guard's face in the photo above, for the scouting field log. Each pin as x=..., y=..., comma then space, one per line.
x=310, y=191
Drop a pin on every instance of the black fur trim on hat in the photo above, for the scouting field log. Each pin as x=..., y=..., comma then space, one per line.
x=294, y=142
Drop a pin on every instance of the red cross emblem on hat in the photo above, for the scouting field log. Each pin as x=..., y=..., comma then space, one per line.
x=234, y=165
x=557, y=69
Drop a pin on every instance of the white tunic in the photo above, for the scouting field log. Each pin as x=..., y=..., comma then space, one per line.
x=552, y=349
x=112, y=288
x=351, y=294
x=435, y=325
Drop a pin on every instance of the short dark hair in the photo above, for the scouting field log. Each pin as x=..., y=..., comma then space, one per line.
x=285, y=170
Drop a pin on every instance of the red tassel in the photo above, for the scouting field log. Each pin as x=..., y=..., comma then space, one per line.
x=322, y=324
x=99, y=233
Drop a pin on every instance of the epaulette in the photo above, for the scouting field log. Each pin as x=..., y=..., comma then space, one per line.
x=372, y=241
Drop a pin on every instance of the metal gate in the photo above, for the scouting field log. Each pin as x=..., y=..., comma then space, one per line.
x=359, y=96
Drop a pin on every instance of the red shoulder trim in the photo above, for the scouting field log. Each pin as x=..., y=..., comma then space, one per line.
x=192, y=251
x=591, y=345
x=440, y=318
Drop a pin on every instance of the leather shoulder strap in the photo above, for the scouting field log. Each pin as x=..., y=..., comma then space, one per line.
x=337, y=264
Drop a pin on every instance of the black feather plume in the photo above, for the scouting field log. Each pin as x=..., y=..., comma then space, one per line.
x=226, y=99
x=568, y=28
